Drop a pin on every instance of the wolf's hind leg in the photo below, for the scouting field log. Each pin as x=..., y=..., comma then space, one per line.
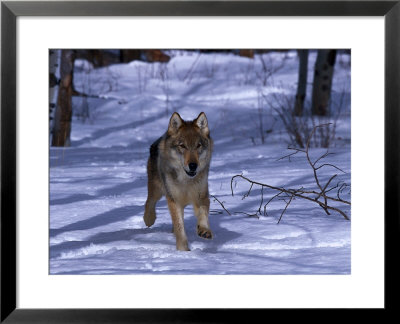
x=154, y=195
x=201, y=210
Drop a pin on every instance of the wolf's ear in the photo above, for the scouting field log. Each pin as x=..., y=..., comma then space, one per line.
x=174, y=123
x=202, y=123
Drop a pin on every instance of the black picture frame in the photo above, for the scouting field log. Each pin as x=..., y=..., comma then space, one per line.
x=9, y=13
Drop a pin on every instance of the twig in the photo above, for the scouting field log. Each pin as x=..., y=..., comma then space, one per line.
x=313, y=164
x=265, y=206
x=262, y=200
x=248, y=214
x=222, y=205
x=248, y=193
x=190, y=71
x=331, y=165
x=287, y=204
x=322, y=157
x=288, y=156
x=326, y=186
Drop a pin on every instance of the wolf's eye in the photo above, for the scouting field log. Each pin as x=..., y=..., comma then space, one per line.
x=199, y=145
x=182, y=146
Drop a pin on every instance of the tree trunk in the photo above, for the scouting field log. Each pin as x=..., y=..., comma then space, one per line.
x=322, y=85
x=155, y=55
x=54, y=80
x=63, y=115
x=127, y=55
x=302, y=83
x=246, y=53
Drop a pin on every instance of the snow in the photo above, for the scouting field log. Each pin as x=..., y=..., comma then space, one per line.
x=98, y=186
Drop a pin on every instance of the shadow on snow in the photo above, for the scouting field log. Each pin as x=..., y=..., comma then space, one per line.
x=221, y=235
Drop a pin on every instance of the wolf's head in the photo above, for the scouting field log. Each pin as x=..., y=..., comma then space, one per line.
x=190, y=143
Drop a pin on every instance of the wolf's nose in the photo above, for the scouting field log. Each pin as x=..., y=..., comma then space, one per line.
x=192, y=166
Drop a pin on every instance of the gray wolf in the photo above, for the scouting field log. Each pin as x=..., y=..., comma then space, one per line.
x=178, y=169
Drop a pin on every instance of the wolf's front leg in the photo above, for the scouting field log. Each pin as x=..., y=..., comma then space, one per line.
x=176, y=212
x=201, y=210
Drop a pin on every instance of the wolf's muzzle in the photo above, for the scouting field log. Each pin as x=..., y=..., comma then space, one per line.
x=192, y=167
x=191, y=173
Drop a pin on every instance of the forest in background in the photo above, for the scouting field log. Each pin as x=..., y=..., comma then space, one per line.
x=280, y=173
x=62, y=87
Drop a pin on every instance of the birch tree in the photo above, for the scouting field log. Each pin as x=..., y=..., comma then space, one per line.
x=54, y=80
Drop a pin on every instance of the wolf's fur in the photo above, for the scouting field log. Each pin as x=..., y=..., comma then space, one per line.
x=170, y=171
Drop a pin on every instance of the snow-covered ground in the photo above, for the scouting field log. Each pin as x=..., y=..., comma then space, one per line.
x=98, y=186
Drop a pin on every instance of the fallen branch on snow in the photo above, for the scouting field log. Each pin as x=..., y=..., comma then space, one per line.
x=319, y=197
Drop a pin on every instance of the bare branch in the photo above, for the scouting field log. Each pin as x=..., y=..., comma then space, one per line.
x=322, y=193
x=296, y=149
x=265, y=206
x=262, y=200
x=287, y=156
x=222, y=205
x=331, y=165
x=248, y=193
x=310, y=195
x=287, y=204
x=322, y=157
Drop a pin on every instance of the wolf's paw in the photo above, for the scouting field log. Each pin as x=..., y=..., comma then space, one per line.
x=149, y=218
x=204, y=232
x=182, y=246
